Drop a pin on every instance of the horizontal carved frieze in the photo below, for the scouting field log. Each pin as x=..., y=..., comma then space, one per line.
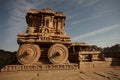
x=39, y=67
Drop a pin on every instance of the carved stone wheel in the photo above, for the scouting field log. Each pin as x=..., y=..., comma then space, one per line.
x=28, y=54
x=58, y=54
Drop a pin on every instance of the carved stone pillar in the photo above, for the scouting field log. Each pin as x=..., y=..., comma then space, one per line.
x=59, y=24
x=51, y=22
x=54, y=23
x=63, y=24
x=42, y=20
x=30, y=30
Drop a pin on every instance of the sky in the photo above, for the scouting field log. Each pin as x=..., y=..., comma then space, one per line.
x=96, y=22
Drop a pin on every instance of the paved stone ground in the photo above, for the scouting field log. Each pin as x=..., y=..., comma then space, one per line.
x=88, y=74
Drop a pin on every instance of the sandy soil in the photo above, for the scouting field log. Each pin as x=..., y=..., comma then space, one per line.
x=92, y=74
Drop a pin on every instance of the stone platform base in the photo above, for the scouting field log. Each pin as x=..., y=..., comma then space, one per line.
x=39, y=67
x=95, y=64
x=94, y=74
x=88, y=71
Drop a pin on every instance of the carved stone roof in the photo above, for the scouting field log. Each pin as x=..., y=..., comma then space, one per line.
x=47, y=10
x=60, y=14
x=79, y=44
x=33, y=11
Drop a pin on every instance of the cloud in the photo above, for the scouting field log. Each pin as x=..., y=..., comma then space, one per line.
x=18, y=12
x=86, y=19
x=96, y=32
x=86, y=3
x=16, y=21
x=96, y=16
x=110, y=40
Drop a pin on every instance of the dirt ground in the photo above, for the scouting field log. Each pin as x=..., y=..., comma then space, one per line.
x=112, y=73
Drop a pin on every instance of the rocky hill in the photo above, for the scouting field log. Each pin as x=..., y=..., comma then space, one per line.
x=113, y=51
x=7, y=57
x=112, y=48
